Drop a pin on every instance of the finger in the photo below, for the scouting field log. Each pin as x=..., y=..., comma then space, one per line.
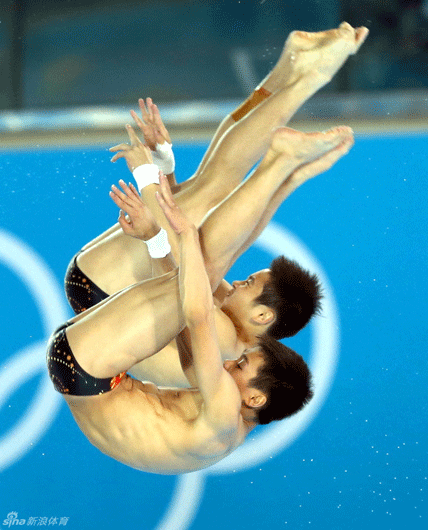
x=117, y=156
x=118, y=202
x=159, y=137
x=121, y=199
x=129, y=193
x=159, y=124
x=125, y=225
x=121, y=195
x=157, y=120
x=167, y=212
x=165, y=208
x=116, y=199
x=137, y=119
x=135, y=191
x=166, y=190
x=124, y=217
x=143, y=109
x=149, y=102
x=147, y=126
x=149, y=136
x=132, y=136
x=148, y=132
x=120, y=147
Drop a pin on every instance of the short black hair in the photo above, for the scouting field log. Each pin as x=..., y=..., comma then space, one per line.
x=293, y=293
x=284, y=378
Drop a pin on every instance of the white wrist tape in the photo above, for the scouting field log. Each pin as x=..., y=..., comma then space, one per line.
x=159, y=246
x=163, y=157
x=145, y=175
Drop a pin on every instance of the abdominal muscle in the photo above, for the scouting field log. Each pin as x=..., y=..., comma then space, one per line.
x=145, y=427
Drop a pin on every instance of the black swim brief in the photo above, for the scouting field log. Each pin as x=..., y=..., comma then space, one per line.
x=67, y=376
x=81, y=292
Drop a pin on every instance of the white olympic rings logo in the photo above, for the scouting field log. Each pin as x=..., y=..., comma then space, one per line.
x=43, y=287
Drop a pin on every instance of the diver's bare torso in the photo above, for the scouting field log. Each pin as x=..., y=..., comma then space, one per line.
x=152, y=429
x=165, y=369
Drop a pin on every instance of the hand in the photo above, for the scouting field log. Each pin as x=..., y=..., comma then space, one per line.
x=151, y=125
x=135, y=154
x=174, y=214
x=140, y=222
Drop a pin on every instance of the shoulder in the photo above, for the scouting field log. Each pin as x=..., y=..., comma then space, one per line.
x=227, y=335
x=221, y=417
x=217, y=440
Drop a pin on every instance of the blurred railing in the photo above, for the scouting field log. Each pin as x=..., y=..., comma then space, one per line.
x=67, y=65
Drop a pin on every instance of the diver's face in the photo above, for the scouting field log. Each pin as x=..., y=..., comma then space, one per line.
x=240, y=300
x=246, y=368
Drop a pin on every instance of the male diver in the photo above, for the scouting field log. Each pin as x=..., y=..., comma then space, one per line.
x=308, y=62
x=181, y=430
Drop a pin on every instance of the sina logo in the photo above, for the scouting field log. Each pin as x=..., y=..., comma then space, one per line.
x=12, y=519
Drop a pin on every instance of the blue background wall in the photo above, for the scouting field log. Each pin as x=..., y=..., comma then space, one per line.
x=361, y=462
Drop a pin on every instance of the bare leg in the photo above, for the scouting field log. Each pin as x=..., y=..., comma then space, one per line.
x=142, y=319
x=99, y=262
x=127, y=327
x=308, y=62
x=289, y=151
x=296, y=179
x=237, y=152
x=303, y=52
x=115, y=261
x=243, y=209
x=113, y=229
x=99, y=258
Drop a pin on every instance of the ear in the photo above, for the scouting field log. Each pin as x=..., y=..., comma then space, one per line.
x=255, y=399
x=262, y=315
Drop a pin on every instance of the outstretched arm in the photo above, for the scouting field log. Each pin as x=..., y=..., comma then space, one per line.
x=220, y=394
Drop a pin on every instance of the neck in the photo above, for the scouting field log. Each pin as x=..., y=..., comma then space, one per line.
x=246, y=332
x=249, y=335
x=248, y=419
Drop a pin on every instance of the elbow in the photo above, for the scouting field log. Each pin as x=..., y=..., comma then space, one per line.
x=215, y=273
x=198, y=314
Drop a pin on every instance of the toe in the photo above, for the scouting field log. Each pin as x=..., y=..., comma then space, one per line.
x=347, y=27
x=361, y=35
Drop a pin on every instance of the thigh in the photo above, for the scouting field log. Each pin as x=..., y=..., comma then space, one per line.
x=116, y=262
x=113, y=229
x=128, y=327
